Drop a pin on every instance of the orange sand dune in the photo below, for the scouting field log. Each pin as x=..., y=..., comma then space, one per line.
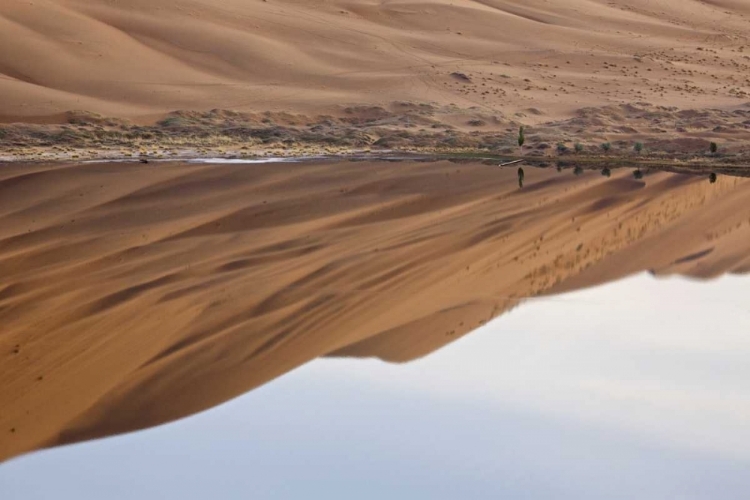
x=141, y=58
x=132, y=295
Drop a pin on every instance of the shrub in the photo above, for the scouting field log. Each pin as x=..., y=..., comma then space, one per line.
x=713, y=148
x=172, y=121
x=606, y=146
x=562, y=148
x=712, y=177
x=638, y=174
x=578, y=147
x=606, y=172
x=578, y=170
x=521, y=137
x=638, y=147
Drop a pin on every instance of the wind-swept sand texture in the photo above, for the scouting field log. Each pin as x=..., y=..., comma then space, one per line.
x=131, y=295
x=142, y=58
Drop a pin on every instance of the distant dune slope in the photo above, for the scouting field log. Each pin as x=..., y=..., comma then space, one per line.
x=141, y=58
x=132, y=295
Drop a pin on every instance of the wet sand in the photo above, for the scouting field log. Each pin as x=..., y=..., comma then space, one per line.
x=132, y=294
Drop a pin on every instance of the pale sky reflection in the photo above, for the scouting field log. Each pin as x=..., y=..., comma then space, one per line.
x=638, y=389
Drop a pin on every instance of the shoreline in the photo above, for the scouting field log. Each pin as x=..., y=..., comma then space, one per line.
x=688, y=165
x=637, y=135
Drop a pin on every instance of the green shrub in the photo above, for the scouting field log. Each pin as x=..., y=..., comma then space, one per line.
x=521, y=137
x=638, y=147
x=578, y=147
x=713, y=148
x=606, y=146
x=562, y=148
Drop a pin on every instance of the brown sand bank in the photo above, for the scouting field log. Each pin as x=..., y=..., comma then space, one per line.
x=131, y=294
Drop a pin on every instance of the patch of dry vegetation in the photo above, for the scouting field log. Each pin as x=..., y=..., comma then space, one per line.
x=651, y=132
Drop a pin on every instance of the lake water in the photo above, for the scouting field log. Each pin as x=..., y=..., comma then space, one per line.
x=605, y=393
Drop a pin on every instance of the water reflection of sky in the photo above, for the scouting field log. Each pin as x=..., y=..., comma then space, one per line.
x=637, y=390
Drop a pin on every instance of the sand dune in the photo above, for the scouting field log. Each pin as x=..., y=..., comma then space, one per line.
x=131, y=295
x=140, y=59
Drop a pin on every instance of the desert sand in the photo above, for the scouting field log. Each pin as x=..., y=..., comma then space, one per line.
x=543, y=59
x=132, y=295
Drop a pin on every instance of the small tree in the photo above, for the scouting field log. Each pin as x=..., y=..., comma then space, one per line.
x=578, y=147
x=713, y=148
x=606, y=172
x=606, y=146
x=638, y=174
x=712, y=177
x=638, y=147
x=521, y=137
x=562, y=148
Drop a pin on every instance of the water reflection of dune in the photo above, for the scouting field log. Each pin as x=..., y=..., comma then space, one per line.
x=132, y=295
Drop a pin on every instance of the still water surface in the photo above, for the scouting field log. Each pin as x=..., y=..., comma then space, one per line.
x=636, y=390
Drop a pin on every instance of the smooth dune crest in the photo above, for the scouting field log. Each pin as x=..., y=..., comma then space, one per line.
x=132, y=295
x=141, y=59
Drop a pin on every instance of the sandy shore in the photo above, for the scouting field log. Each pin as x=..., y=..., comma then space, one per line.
x=132, y=295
